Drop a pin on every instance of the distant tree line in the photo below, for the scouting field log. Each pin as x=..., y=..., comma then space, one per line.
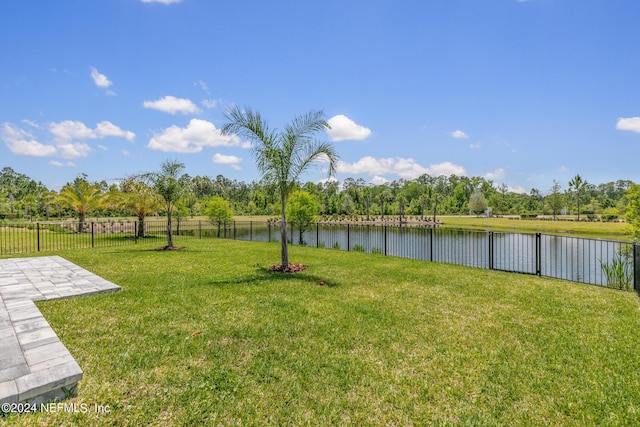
x=22, y=197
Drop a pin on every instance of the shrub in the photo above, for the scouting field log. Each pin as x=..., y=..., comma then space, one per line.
x=618, y=272
x=610, y=215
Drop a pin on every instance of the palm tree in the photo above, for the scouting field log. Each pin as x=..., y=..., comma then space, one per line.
x=170, y=186
x=282, y=156
x=81, y=197
x=578, y=184
x=424, y=198
x=139, y=198
x=383, y=197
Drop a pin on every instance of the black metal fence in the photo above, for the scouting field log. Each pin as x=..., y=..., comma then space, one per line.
x=593, y=261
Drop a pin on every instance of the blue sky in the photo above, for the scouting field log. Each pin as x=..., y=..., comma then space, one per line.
x=520, y=92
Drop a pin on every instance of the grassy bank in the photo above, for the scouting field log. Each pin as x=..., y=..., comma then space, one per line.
x=208, y=336
x=601, y=230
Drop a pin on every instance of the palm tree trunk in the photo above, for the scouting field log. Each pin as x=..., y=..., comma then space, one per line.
x=81, y=219
x=435, y=209
x=284, y=250
x=141, y=226
x=169, y=235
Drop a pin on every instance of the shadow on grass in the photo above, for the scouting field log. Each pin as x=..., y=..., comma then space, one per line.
x=263, y=274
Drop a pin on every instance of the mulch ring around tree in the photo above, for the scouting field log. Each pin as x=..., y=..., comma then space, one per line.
x=291, y=268
x=170, y=248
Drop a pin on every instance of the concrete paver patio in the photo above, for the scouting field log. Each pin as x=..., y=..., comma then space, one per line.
x=35, y=366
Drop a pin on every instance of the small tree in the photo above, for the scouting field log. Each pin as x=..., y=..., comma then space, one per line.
x=302, y=210
x=218, y=212
x=633, y=210
x=384, y=197
x=170, y=186
x=578, y=185
x=477, y=202
x=140, y=199
x=283, y=156
x=402, y=200
x=555, y=199
x=82, y=197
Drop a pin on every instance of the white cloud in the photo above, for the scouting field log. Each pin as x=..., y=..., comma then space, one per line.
x=161, y=1
x=474, y=146
x=222, y=159
x=23, y=143
x=192, y=139
x=446, y=169
x=100, y=79
x=518, y=189
x=210, y=103
x=402, y=167
x=106, y=128
x=379, y=180
x=630, y=123
x=30, y=123
x=68, y=137
x=563, y=169
x=343, y=128
x=61, y=165
x=172, y=105
x=496, y=174
x=202, y=85
x=458, y=134
x=72, y=150
x=69, y=130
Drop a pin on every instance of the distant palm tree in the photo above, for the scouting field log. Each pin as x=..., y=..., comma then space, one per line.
x=138, y=197
x=82, y=197
x=383, y=197
x=282, y=156
x=578, y=185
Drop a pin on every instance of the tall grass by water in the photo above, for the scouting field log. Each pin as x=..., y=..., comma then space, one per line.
x=208, y=336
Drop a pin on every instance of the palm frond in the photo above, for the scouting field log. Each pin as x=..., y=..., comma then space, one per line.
x=303, y=126
x=247, y=124
x=314, y=152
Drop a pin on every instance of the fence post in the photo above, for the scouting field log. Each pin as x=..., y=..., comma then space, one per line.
x=38, y=228
x=384, y=230
x=234, y=230
x=636, y=267
x=250, y=230
x=200, y=229
x=92, y=236
x=348, y=238
x=431, y=243
x=317, y=235
x=538, y=254
x=269, y=231
x=491, y=250
x=135, y=231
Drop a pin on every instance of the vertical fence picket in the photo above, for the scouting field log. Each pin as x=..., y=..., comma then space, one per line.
x=636, y=267
x=538, y=254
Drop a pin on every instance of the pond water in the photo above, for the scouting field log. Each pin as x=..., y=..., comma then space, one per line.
x=569, y=258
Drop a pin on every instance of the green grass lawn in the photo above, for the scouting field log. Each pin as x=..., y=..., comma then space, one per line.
x=208, y=336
